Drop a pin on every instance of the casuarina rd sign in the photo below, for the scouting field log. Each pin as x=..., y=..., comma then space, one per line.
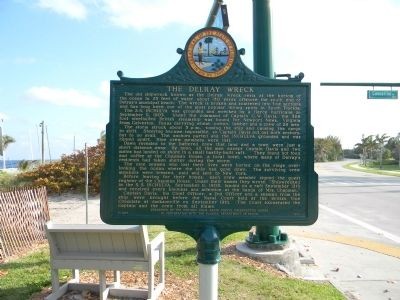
x=382, y=94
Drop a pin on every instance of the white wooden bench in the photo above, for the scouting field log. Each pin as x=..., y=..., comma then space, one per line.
x=104, y=247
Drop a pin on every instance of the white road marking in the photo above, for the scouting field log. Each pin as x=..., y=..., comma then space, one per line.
x=355, y=183
x=372, y=228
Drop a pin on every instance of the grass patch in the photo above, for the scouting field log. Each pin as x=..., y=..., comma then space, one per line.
x=238, y=281
x=27, y=275
x=180, y=252
x=20, y=278
x=387, y=169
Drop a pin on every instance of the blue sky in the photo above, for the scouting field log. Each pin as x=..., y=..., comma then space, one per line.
x=58, y=56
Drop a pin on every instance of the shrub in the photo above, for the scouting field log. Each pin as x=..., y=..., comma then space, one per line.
x=7, y=180
x=68, y=174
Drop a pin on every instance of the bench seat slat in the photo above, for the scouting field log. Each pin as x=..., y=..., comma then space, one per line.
x=100, y=255
x=122, y=265
x=93, y=228
x=105, y=256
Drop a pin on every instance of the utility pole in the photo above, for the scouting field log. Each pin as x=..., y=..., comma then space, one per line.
x=87, y=183
x=42, y=126
x=48, y=144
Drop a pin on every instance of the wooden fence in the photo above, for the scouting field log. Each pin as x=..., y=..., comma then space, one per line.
x=23, y=215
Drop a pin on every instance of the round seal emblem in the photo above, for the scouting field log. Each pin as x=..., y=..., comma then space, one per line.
x=210, y=52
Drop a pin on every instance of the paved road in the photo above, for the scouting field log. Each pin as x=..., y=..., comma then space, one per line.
x=356, y=240
x=361, y=204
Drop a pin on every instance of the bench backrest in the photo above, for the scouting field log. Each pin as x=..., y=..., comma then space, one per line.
x=131, y=240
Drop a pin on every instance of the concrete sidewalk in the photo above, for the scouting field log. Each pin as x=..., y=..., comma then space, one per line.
x=358, y=272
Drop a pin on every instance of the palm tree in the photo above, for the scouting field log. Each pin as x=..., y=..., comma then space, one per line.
x=393, y=144
x=208, y=41
x=380, y=141
x=7, y=140
x=23, y=165
x=366, y=146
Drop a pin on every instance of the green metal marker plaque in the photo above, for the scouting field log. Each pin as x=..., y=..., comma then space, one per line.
x=209, y=143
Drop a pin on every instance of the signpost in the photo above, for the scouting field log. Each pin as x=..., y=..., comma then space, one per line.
x=265, y=236
x=209, y=148
x=382, y=94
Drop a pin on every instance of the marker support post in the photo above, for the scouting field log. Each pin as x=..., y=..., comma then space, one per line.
x=262, y=58
x=208, y=257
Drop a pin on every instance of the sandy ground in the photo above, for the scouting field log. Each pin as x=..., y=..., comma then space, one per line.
x=71, y=209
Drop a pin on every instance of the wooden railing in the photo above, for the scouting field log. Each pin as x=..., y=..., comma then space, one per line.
x=23, y=215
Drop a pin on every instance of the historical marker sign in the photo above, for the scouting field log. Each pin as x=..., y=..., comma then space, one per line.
x=209, y=142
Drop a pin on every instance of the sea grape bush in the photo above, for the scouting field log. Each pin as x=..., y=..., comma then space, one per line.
x=68, y=174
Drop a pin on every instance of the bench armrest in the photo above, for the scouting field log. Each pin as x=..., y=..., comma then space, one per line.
x=158, y=241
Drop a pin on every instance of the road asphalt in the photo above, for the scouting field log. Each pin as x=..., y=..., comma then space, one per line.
x=362, y=269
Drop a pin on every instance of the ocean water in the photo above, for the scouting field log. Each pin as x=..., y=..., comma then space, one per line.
x=13, y=164
x=10, y=164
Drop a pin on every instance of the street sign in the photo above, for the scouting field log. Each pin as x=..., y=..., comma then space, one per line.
x=382, y=94
x=209, y=143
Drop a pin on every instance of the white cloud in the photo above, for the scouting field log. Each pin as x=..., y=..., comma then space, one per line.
x=105, y=88
x=139, y=14
x=338, y=41
x=100, y=126
x=68, y=97
x=71, y=8
x=24, y=60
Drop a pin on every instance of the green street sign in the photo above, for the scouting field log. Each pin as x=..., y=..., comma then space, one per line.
x=209, y=143
x=382, y=94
